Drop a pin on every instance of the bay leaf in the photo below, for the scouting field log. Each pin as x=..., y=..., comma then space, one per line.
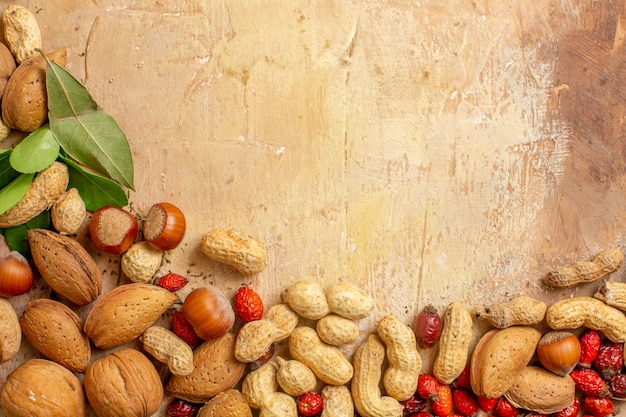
x=12, y=193
x=17, y=237
x=84, y=130
x=96, y=191
x=35, y=152
x=7, y=173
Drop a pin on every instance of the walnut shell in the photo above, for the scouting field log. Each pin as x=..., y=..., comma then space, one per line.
x=123, y=384
x=215, y=370
x=57, y=332
x=66, y=266
x=40, y=387
x=25, y=99
x=122, y=314
x=230, y=403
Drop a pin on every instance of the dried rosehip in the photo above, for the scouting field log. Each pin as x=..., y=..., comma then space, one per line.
x=183, y=329
x=248, y=304
x=463, y=380
x=427, y=327
x=427, y=387
x=599, y=406
x=172, y=282
x=310, y=404
x=414, y=404
x=571, y=411
x=487, y=404
x=505, y=409
x=610, y=359
x=442, y=406
x=589, y=347
x=589, y=382
x=181, y=408
x=464, y=401
x=617, y=386
x=421, y=414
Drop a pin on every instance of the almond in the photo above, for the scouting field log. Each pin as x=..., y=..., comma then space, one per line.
x=122, y=314
x=66, y=266
x=541, y=391
x=215, y=370
x=57, y=332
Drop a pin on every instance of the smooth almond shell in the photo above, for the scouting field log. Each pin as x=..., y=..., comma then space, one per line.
x=541, y=391
x=230, y=403
x=215, y=370
x=499, y=358
x=66, y=266
x=57, y=332
x=40, y=387
x=123, y=384
x=122, y=314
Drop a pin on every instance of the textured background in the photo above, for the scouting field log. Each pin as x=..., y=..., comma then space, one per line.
x=427, y=151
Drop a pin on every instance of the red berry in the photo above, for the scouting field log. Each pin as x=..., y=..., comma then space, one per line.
x=617, y=386
x=180, y=408
x=172, y=282
x=589, y=346
x=599, y=406
x=589, y=382
x=487, y=404
x=505, y=409
x=248, y=304
x=571, y=411
x=463, y=380
x=610, y=359
x=442, y=406
x=183, y=329
x=464, y=401
x=414, y=404
x=427, y=387
x=310, y=404
x=421, y=414
x=427, y=327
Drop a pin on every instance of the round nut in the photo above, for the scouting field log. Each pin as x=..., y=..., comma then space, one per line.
x=40, y=387
x=141, y=261
x=68, y=212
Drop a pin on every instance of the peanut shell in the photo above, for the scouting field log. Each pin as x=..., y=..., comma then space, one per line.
x=231, y=247
x=40, y=387
x=215, y=370
x=123, y=384
x=66, y=266
x=122, y=314
x=21, y=32
x=57, y=332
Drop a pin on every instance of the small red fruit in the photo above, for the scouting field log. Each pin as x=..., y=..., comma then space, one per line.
x=180, y=408
x=464, y=401
x=421, y=414
x=310, y=404
x=505, y=409
x=589, y=347
x=571, y=411
x=414, y=404
x=172, y=282
x=442, y=406
x=248, y=304
x=427, y=387
x=427, y=327
x=617, y=386
x=599, y=406
x=610, y=359
x=589, y=382
x=463, y=380
x=487, y=404
x=183, y=329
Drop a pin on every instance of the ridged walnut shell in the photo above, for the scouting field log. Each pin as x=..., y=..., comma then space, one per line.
x=56, y=331
x=499, y=358
x=122, y=314
x=215, y=370
x=40, y=387
x=25, y=99
x=123, y=384
x=66, y=266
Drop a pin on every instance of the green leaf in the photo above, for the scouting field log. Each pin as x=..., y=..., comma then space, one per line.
x=35, y=152
x=96, y=191
x=16, y=236
x=13, y=193
x=84, y=130
x=7, y=173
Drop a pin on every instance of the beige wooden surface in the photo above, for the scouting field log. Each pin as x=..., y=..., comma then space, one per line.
x=426, y=151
